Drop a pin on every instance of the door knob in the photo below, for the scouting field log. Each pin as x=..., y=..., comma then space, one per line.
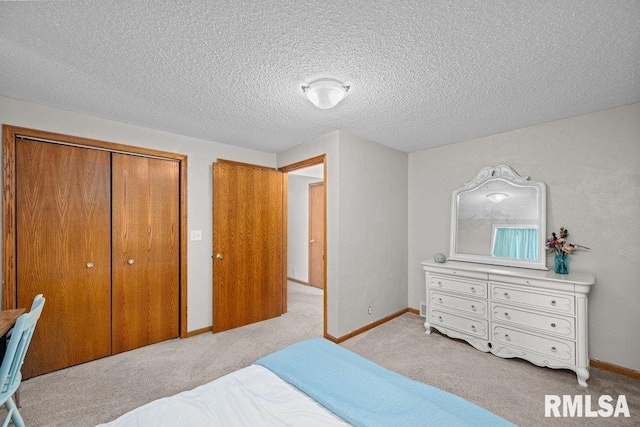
x=89, y=264
x=219, y=256
x=130, y=261
x=312, y=241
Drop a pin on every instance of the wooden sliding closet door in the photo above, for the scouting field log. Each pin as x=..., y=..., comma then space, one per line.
x=145, y=251
x=63, y=223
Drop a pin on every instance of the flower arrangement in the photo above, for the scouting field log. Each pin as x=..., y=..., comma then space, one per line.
x=560, y=245
x=562, y=248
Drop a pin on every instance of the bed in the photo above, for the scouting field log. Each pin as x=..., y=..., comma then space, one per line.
x=311, y=383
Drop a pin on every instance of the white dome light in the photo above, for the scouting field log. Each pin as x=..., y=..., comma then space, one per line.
x=497, y=197
x=325, y=93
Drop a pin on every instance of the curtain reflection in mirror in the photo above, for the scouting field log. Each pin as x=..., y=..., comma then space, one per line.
x=515, y=242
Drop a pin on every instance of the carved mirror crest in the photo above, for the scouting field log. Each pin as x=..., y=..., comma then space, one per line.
x=499, y=218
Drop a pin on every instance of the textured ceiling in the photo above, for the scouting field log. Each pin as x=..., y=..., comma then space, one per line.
x=422, y=73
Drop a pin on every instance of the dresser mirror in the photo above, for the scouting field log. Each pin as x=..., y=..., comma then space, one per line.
x=499, y=218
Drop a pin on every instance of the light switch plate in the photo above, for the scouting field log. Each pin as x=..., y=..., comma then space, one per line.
x=196, y=235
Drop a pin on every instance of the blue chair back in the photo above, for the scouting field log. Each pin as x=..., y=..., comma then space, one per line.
x=21, y=334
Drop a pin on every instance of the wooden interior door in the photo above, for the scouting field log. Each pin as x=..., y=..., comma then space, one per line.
x=63, y=222
x=316, y=234
x=145, y=251
x=248, y=246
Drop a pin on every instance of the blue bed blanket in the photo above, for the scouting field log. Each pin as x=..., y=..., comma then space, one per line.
x=365, y=394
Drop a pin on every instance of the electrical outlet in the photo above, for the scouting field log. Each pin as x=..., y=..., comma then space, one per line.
x=196, y=234
x=370, y=310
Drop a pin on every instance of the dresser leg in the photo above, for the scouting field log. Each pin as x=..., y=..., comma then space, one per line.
x=427, y=326
x=583, y=376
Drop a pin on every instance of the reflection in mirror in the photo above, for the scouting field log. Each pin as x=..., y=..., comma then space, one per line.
x=518, y=241
x=499, y=218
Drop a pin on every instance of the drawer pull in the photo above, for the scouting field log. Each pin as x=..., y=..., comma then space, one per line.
x=507, y=337
x=473, y=308
x=440, y=318
x=473, y=290
x=473, y=328
x=553, y=325
x=554, y=350
x=507, y=296
x=440, y=300
x=553, y=303
x=440, y=284
x=506, y=316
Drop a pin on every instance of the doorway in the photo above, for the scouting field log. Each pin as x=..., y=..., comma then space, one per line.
x=306, y=231
x=279, y=265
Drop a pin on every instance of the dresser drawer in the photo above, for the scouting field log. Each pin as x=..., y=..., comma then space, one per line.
x=555, y=348
x=564, y=326
x=462, y=274
x=471, y=306
x=549, y=302
x=469, y=287
x=519, y=280
x=476, y=327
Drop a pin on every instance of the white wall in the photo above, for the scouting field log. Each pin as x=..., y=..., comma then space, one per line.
x=591, y=166
x=201, y=154
x=298, y=226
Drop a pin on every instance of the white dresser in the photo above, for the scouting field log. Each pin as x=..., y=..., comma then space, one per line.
x=535, y=315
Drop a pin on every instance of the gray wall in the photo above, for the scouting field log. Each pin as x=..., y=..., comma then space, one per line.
x=298, y=226
x=201, y=154
x=373, y=232
x=591, y=166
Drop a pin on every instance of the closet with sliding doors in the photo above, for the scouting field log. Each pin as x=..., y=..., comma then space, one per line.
x=96, y=228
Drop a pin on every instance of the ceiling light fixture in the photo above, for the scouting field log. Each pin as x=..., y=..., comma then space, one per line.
x=325, y=93
x=497, y=197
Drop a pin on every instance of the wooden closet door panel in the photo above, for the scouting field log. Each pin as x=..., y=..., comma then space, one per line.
x=63, y=209
x=145, y=251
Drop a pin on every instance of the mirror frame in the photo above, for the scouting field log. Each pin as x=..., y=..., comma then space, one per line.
x=506, y=174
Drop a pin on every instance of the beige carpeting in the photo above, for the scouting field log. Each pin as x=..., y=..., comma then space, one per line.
x=100, y=391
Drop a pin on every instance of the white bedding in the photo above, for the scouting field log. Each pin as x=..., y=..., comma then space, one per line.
x=253, y=396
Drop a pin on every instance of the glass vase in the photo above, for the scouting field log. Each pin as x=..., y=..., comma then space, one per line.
x=561, y=263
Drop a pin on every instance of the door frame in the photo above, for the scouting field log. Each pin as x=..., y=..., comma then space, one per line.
x=9, y=135
x=321, y=159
